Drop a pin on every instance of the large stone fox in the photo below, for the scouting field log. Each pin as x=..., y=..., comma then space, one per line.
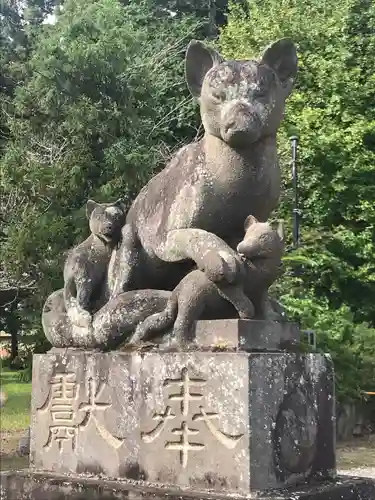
x=197, y=205
x=191, y=215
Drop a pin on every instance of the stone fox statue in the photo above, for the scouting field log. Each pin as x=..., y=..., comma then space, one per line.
x=190, y=215
x=86, y=266
x=262, y=249
x=196, y=206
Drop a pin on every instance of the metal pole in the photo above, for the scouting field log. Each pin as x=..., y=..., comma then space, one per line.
x=294, y=143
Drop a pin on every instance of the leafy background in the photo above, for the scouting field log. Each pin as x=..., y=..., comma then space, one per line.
x=93, y=103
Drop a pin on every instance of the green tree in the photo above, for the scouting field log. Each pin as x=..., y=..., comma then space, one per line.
x=331, y=280
x=212, y=13
x=18, y=23
x=102, y=105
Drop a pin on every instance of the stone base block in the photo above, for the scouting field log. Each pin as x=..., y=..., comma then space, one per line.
x=29, y=485
x=233, y=422
x=247, y=335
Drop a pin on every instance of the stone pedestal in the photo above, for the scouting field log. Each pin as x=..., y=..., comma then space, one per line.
x=232, y=422
x=34, y=485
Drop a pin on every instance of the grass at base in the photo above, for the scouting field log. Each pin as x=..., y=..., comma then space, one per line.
x=15, y=414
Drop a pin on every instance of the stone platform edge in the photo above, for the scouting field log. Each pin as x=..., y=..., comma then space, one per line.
x=28, y=484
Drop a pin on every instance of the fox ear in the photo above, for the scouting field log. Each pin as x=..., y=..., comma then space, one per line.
x=90, y=207
x=249, y=221
x=281, y=56
x=199, y=60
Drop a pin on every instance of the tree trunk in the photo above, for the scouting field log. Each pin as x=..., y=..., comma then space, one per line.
x=12, y=324
x=212, y=18
x=14, y=345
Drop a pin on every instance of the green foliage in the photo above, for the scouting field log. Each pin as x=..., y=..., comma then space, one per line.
x=25, y=375
x=101, y=105
x=330, y=283
x=92, y=105
x=351, y=344
x=212, y=13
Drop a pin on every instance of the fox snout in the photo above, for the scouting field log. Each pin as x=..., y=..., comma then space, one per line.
x=108, y=229
x=240, y=122
x=111, y=229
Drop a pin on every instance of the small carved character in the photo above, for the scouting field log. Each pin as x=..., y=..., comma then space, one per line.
x=86, y=266
x=261, y=251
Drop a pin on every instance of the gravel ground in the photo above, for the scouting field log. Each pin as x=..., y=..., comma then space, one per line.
x=360, y=472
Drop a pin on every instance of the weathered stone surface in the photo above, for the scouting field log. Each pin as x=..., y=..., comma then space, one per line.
x=24, y=443
x=197, y=295
x=30, y=485
x=86, y=266
x=247, y=335
x=230, y=422
x=153, y=313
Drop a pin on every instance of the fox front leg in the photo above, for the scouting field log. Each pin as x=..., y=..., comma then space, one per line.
x=78, y=307
x=211, y=254
x=236, y=296
x=123, y=263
